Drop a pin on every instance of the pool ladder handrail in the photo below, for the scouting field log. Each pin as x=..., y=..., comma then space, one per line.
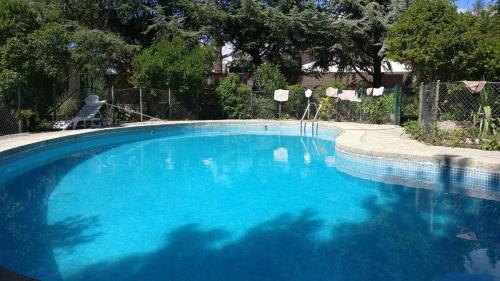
x=316, y=115
x=315, y=119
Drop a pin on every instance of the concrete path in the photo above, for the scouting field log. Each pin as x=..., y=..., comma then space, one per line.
x=385, y=141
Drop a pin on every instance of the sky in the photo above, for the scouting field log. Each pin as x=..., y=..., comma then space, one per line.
x=466, y=5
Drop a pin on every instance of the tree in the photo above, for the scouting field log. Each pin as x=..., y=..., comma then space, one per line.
x=355, y=34
x=478, y=7
x=97, y=54
x=479, y=55
x=32, y=45
x=173, y=64
x=425, y=38
x=437, y=42
x=128, y=19
x=235, y=97
x=195, y=21
x=268, y=78
x=270, y=32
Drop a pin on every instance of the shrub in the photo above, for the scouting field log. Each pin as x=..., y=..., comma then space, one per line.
x=413, y=129
x=235, y=97
x=465, y=137
x=268, y=78
x=490, y=143
x=296, y=103
x=377, y=110
x=328, y=105
x=327, y=108
x=264, y=107
x=321, y=92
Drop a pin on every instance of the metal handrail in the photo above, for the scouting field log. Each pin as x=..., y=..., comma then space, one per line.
x=318, y=109
x=304, y=115
x=308, y=109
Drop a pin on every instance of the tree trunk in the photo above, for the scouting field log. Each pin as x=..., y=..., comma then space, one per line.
x=218, y=59
x=256, y=60
x=377, y=71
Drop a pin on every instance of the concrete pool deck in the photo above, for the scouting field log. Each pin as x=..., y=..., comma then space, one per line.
x=384, y=141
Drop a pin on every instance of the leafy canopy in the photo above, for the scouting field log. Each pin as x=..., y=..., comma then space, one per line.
x=235, y=97
x=268, y=78
x=173, y=64
x=32, y=44
x=437, y=42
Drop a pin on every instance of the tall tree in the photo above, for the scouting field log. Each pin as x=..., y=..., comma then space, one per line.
x=32, y=44
x=437, y=42
x=173, y=64
x=270, y=31
x=478, y=7
x=355, y=35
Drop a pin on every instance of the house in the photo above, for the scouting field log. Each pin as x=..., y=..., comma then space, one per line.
x=398, y=74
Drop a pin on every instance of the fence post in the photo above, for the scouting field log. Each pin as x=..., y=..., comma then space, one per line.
x=420, y=102
x=54, y=99
x=19, y=121
x=140, y=101
x=197, y=106
x=436, y=101
x=428, y=109
x=251, y=104
x=112, y=105
x=169, y=106
x=397, y=105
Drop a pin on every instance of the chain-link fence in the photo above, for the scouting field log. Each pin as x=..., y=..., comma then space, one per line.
x=472, y=106
x=460, y=103
x=142, y=104
x=8, y=123
x=380, y=109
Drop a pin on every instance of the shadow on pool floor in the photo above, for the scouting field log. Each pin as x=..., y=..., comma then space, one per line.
x=397, y=242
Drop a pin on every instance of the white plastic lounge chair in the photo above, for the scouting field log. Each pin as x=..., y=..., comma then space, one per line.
x=89, y=113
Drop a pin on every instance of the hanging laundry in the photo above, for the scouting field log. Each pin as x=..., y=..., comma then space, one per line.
x=369, y=91
x=332, y=92
x=475, y=86
x=281, y=95
x=349, y=95
x=378, y=91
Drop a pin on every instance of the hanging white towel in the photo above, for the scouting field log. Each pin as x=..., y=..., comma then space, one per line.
x=332, y=92
x=281, y=95
x=369, y=91
x=378, y=91
x=349, y=95
x=475, y=86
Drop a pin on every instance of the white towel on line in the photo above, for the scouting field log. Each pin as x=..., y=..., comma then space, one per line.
x=349, y=95
x=332, y=92
x=475, y=86
x=378, y=91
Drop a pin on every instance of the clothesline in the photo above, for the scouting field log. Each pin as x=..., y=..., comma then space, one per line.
x=351, y=95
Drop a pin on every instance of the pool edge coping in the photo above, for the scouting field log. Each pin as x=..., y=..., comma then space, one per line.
x=346, y=142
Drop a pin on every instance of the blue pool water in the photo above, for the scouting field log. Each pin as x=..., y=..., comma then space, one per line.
x=231, y=203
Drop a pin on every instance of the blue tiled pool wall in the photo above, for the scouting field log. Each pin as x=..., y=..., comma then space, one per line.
x=428, y=175
x=441, y=177
x=16, y=161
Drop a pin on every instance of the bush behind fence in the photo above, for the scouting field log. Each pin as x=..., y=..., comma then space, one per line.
x=208, y=105
x=471, y=111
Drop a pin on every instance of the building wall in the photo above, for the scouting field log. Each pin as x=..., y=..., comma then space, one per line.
x=388, y=80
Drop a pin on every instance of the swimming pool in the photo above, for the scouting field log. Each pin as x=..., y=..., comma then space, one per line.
x=223, y=202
